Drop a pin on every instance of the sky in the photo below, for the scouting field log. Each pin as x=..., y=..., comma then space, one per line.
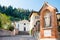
x=30, y=4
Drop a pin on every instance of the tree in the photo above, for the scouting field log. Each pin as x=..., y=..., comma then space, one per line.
x=0, y=23
x=4, y=21
x=15, y=13
x=11, y=28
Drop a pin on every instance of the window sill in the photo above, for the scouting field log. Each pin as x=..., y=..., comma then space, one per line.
x=47, y=28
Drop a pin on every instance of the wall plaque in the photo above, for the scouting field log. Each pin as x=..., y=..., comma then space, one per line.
x=47, y=33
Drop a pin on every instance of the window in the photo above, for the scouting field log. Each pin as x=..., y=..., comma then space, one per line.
x=58, y=28
x=18, y=25
x=36, y=17
x=24, y=23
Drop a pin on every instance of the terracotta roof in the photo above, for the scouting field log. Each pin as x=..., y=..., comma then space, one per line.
x=58, y=13
x=46, y=4
x=33, y=12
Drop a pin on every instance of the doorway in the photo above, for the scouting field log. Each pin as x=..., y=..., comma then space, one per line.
x=24, y=28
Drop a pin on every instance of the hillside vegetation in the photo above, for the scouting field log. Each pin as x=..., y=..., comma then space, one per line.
x=9, y=14
x=15, y=13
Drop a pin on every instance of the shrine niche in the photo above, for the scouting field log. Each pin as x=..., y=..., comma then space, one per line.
x=47, y=19
x=48, y=23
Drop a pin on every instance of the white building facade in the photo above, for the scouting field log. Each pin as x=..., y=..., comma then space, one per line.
x=33, y=19
x=22, y=25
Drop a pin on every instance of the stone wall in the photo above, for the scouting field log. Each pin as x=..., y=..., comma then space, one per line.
x=5, y=32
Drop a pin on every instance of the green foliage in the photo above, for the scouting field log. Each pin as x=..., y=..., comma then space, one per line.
x=11, y=28
x=16, y=13
x=0, y=23
x=8, y=14
x=4, y=21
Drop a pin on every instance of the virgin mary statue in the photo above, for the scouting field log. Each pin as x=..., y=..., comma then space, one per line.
x=47, y=19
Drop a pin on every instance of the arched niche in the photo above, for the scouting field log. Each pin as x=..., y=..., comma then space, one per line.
x=47, y=18
x=38, y=25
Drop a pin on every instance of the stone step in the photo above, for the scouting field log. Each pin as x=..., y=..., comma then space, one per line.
x=23, y=33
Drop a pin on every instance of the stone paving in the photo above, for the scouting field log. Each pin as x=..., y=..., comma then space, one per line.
x=18, y=37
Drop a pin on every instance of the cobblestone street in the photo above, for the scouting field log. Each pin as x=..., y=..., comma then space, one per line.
x=18, y=37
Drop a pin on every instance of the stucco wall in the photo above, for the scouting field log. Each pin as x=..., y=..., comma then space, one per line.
x=20, y=25
x=33, y=20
